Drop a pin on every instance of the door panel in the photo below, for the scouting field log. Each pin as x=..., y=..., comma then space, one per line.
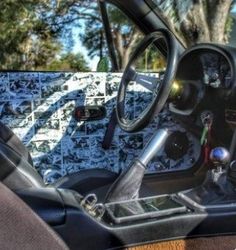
x=39, y=107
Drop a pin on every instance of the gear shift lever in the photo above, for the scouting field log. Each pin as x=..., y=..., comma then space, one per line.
x=220, y=157
x=127, y=186
x=216, y=190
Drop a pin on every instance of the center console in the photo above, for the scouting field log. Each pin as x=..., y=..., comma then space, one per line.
x=86, y=224
x=145, y=208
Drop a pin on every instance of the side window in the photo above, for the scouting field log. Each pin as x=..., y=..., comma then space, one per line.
x=125, y=34
x=151, y=61
x=126, y=37
x=52, y=36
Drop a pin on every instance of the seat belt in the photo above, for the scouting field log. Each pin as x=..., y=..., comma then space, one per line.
x=109, y=134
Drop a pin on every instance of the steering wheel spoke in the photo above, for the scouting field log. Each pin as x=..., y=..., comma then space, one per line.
x=148, y=82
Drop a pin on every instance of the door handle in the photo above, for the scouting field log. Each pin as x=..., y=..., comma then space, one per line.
x=89, y=113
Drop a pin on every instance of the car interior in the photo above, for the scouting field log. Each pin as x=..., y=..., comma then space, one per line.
x=188, y=126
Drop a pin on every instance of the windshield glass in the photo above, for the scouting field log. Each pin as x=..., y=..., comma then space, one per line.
x=197, y=21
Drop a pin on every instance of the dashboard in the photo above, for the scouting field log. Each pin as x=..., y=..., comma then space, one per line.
x=206, y=83
x=206, y=74
x=212, y=64
x=205, y=80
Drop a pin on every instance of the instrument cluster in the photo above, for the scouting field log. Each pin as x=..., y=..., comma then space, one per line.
x=206, y=76
x=206, y=82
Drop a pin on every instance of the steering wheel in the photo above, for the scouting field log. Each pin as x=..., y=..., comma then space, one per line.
x=160, y=88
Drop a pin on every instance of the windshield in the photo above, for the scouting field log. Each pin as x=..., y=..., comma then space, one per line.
x=197, y=21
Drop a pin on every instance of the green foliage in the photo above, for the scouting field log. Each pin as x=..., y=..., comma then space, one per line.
x=151, y=60
x=93, y=38
x=198, y=21
x=229, y=26
x=34, y=36
x=30, y=37
x=124, y=34
x=26, y=41
x=69, y=61
x=103, y=65
x=35, y=33
x=119, y=20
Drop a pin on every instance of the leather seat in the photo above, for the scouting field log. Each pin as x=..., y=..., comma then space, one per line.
x=17, y=171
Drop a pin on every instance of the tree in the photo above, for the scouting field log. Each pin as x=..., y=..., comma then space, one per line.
x=33, y=36
x=125, y=35
x=194, y=20
x=72, y=13
x=69, y=61
x=151, y=60
x=198, y=21
x=30, y=40
x=26, y=40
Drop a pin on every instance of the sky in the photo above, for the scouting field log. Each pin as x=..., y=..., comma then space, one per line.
x=78, y=47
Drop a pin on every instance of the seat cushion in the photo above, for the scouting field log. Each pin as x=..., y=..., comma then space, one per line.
x=21, y=228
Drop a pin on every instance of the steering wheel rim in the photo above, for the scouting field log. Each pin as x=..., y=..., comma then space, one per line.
x=163, y=89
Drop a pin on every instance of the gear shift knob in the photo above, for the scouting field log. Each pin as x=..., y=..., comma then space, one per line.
x=219, y=156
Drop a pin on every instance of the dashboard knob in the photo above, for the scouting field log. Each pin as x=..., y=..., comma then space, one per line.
x=219, y=156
